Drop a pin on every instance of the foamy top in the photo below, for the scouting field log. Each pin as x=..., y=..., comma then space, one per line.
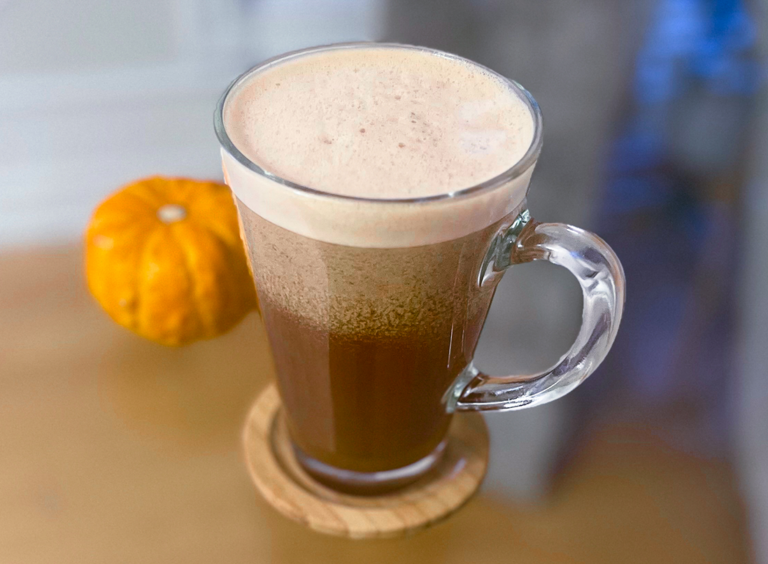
x=383, y=123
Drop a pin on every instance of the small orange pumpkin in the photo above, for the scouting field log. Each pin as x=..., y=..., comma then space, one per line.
x=164, y=258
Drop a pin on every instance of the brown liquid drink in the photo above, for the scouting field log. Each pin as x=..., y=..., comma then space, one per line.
x=365, y=265
x=363, y=380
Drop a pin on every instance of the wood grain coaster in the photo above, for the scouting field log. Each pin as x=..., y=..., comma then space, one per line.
x=290, y=490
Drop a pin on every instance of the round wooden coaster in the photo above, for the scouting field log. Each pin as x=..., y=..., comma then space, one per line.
x=290, y=490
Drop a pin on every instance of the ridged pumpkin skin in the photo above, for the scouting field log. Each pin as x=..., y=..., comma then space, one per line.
x=164, y=258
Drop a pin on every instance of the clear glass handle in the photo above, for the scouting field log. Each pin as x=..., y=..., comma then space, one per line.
x=601, y=277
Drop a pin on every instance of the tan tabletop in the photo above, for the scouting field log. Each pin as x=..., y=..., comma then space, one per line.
x=113, y=449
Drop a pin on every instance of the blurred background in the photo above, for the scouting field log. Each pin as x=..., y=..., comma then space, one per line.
x=656, y=138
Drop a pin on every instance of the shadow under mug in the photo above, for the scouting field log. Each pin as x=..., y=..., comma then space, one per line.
x=373, y=342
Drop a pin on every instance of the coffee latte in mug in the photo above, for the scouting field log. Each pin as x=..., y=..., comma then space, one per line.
x=381, y=190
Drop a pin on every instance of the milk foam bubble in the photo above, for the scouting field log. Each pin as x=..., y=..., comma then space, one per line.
x=378, y=123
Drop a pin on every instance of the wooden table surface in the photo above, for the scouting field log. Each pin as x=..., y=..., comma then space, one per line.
x=113, y=449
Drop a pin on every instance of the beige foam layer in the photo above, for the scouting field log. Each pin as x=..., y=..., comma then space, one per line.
x=378, y=224
x=379, y=122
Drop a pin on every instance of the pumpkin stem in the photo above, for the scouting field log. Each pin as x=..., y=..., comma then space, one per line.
x=171, y=213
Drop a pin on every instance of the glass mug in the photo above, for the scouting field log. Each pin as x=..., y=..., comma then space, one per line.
x=373, y=341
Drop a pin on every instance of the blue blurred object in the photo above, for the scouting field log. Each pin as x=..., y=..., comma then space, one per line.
x=670, y=209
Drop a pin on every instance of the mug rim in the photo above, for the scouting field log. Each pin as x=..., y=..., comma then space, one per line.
x=517, y=169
